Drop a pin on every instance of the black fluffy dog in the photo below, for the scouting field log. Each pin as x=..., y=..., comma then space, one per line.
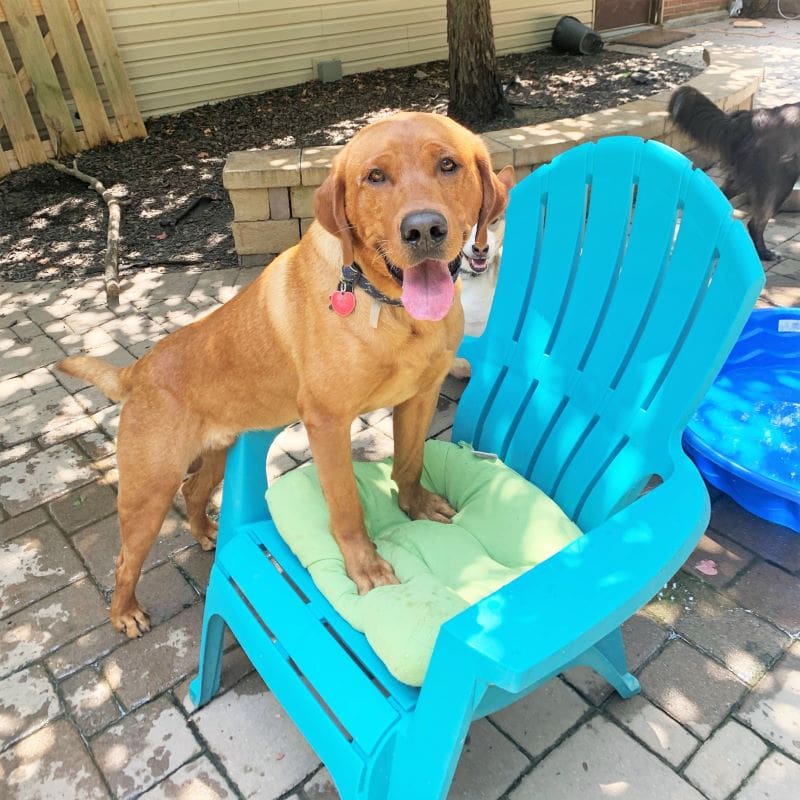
x=759, y=150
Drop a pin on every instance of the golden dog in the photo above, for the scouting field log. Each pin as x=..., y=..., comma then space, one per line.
x=398, y=205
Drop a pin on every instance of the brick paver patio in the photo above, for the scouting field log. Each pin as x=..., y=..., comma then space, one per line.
x=86, y=713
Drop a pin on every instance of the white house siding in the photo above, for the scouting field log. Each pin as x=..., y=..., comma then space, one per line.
x=183, y=54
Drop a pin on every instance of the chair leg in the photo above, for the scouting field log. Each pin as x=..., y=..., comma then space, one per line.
x=206, y=684
x=427, y=755
x=607, y=657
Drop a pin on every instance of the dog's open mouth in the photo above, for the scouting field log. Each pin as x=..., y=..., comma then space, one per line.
x=478, y=265
x=428, y=290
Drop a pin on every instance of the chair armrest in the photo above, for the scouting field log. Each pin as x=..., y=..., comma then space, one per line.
x=535, y=625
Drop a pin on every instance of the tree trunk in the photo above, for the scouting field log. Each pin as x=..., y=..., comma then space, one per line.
x=476, y=94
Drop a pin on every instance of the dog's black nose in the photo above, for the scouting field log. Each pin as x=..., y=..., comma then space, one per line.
x=480, y=252
x=424, y=229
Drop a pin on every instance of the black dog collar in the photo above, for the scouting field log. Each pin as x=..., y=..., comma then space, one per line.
x=343, y=300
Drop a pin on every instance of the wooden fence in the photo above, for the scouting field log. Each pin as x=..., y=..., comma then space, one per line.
x=32, y=34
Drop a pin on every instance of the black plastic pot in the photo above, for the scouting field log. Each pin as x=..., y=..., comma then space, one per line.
x=572, y=36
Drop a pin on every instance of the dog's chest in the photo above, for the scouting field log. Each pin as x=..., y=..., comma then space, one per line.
x=477, y=294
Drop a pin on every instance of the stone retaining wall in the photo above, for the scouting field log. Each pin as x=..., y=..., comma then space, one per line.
x=272, y=191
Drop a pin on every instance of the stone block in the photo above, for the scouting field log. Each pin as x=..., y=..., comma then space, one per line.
x=773, y=708
x=197, y=780
x=143, y=668
x=781, y=291
x=84, y=506
x=41, y=477
x=371, y=444
x=302, y=198
x=489, y=764
x=771, y=593
x=772, y=542
x=83, y=651
x=250, y=204
x=17, y=453
x=538, y=721
x=52, y=763
x=653, y=727
x=20, y=358
x=716, y=559
x=725, y=760
x=271, y=236
x=691, y=688
x=305, y=224
x=240, y=715
x=261, y=169
x=776, y=778
x=15, y=526
x=27, y=702
x=35, y=565
x=13, y=389
x=252, y=260
x=500, y=154
x=90, y=701
x=98, y=543
x=747, y=645
x=42, y=627
x=279, y=207
x=600, y=760
x=155, y=742
x=316, y=163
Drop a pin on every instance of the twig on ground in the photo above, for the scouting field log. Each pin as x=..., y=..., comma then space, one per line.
x=111, y=261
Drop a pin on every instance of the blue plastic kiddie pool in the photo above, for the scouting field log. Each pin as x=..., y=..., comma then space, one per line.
x=745, y=436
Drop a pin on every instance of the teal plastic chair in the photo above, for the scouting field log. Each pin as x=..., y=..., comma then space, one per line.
x=624, y=284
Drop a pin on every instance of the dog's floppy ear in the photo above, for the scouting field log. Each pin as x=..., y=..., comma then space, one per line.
x=495, y=190
x=329, y=209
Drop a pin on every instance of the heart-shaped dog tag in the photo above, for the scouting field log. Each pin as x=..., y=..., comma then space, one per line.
x=343, y=302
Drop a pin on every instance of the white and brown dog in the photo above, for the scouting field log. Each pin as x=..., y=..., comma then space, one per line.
x=479, y=270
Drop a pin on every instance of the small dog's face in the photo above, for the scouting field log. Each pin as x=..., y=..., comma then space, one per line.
x=477, y=259
x=402, y=197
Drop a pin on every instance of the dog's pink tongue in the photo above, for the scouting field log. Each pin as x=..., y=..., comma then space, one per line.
x=428, y=290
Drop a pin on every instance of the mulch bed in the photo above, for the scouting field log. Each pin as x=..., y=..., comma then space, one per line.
x=52, y=226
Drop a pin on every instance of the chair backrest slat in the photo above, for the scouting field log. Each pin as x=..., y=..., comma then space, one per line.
x=622, y=272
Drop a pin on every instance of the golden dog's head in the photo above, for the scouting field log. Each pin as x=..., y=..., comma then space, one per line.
x=402, y=198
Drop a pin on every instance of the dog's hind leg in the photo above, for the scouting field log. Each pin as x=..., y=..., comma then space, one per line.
x=197, y=490
x=756, y=225
x=771, y=181
x=150, y=473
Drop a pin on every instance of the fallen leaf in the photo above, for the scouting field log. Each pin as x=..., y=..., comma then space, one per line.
x=707, y=567
x=161, y=236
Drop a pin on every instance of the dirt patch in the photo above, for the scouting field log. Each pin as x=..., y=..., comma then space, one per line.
x=177, y=212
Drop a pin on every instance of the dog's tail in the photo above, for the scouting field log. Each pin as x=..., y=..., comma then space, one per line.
x=696, y=115
x=110, y=380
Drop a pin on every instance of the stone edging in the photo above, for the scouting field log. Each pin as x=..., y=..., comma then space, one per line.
x=272, y=190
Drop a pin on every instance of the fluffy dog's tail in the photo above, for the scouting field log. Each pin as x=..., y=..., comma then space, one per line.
x=110, y=380
x=696, y=115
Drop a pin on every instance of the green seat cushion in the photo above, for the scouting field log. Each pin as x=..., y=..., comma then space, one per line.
x=504, y=526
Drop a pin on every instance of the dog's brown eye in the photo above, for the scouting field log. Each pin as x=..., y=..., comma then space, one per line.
x=376, y=176
x=448, y=165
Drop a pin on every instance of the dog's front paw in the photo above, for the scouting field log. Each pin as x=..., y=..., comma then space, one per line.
x=422, y=504
x=461, y=369
x=368, y=570
x=767, y=255
x=133, y=622
x=205, y=533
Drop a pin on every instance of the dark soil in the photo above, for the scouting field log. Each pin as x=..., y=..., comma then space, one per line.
x=53, y=226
